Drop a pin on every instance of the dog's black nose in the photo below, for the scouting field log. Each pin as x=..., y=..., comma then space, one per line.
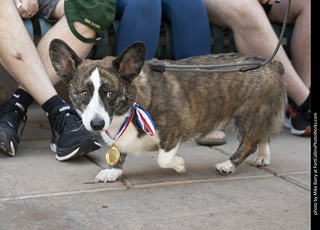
x=97, y=124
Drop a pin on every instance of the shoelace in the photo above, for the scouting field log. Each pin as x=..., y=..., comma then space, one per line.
x=68, y=119
x=14, y=120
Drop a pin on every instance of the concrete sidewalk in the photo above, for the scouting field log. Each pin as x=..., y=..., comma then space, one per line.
x=39, y=192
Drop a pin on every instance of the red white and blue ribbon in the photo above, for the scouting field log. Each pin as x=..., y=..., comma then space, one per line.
x=144, y=121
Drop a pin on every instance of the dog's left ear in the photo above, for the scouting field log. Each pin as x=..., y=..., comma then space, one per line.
x=130, y=62
x=64, y=60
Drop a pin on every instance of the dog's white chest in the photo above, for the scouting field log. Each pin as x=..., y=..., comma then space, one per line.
x=129, y=142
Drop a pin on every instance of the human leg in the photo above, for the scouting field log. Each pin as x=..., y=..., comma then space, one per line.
x=254, y=35
x=139, y=21
x=61, y=30
x=19, y=56
x=64, y=144
x=22, y=61
x=300, y=15
x=298, y=117
x=190, y=27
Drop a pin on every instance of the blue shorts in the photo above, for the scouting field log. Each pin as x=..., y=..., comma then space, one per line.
x=140, y=20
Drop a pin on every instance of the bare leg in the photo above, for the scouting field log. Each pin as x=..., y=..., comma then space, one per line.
x=19, y=56
x=300, y=15
x=254, y=35
x=61, y=30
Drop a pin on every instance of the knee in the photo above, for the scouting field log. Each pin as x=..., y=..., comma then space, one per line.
x=299, y=7
x=246, y=14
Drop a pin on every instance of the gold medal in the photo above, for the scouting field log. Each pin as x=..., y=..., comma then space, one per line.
x=113, y=155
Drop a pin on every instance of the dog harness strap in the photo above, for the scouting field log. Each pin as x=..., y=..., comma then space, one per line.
x=144, y=121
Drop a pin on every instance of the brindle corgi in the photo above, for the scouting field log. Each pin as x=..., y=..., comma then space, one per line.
x=184, y=106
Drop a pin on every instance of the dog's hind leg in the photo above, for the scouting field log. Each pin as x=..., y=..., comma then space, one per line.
x=112, y=173
x=169, y=159
x=263, y=157
x=246, y=148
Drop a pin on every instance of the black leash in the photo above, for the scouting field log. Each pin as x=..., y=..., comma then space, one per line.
x=160, y=67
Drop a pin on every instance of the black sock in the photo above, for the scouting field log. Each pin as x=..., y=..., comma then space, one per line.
x=53, y=104
x=306, y=105
x=23, y=98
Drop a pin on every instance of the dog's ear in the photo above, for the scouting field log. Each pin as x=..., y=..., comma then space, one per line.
x=64, y=60
x=130, y=62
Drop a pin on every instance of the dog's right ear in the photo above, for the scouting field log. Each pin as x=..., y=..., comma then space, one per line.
x=64, y=60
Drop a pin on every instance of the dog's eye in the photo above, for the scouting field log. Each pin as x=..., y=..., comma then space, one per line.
x=84, y=94
x=110, y=94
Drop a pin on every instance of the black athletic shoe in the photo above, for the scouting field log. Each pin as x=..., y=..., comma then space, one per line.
x=70, y=138
x=11, y=117
x=297, y=121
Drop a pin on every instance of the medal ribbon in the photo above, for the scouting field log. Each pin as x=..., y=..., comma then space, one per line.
x=144, y=121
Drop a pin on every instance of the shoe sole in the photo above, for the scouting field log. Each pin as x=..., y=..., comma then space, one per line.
x=83, y=148
x=287, y=124
x=8, y=149
x=211, y=143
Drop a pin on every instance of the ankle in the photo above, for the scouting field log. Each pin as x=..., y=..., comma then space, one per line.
x=50, y=106
x=306, y=105
x=21, y=99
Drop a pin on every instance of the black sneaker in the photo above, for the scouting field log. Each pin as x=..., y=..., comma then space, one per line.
x=70, y=138
x=11, y=117
x=297, y=121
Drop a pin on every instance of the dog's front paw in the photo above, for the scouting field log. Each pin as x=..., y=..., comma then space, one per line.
x=108, y=175
x=226, y=167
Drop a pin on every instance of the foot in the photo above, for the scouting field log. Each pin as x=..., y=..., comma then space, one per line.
x=108, y=175
x=297, y=121
x=226, y=167
x=11, y=117
x=213, y=139
x=263, y=158
x=171, y=160
x=70, y=139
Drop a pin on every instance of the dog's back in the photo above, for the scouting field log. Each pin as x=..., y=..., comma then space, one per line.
x=192, y=104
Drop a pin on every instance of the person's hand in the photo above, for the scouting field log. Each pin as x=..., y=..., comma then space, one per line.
x=27, y=8
x=270, y=2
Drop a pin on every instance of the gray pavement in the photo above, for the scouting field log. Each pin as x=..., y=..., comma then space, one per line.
x=38, y=192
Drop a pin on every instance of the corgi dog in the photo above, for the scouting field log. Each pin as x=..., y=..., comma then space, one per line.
x=181, y=106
